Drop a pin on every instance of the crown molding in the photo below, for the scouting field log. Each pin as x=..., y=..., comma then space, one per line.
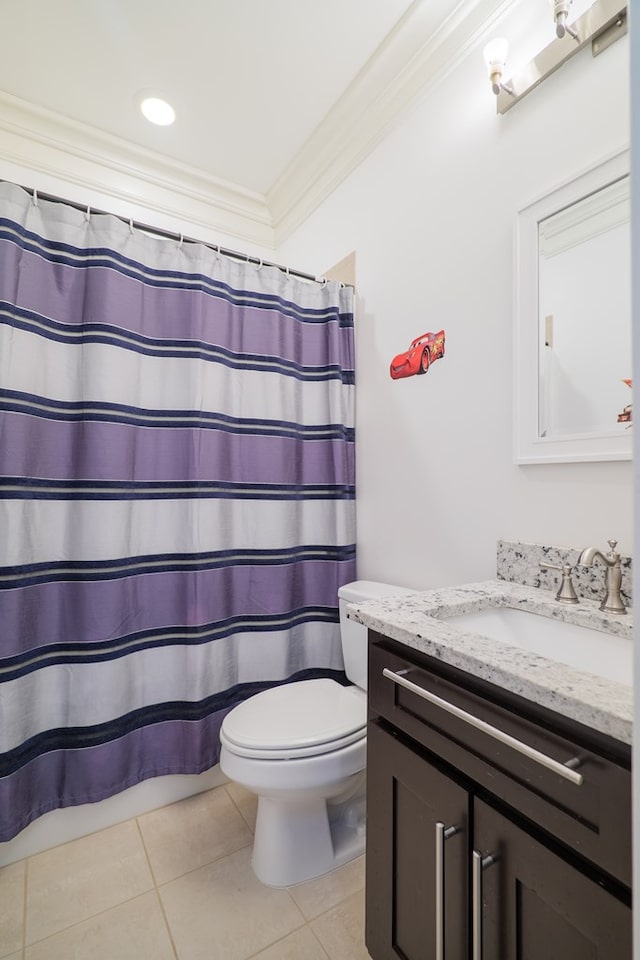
x=418, y=54
x=49, y=143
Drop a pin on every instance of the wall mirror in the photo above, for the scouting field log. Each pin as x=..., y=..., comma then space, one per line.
x=573, y=320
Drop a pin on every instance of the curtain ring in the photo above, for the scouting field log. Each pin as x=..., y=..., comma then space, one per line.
x=181, y=241
x=259, y=267
x=35, y=197
x=218, y=254
x=87, y=215
x=131, y=225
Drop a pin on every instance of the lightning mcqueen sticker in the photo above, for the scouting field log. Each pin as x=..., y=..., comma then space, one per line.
x=419, y=357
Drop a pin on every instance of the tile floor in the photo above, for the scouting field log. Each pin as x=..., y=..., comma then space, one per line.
x=175, y=884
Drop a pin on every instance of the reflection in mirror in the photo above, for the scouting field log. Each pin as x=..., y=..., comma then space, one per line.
x=584, y=304
x=573, y=320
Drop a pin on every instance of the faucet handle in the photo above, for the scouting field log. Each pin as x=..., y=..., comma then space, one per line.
x=566, y=592
x=612, y=545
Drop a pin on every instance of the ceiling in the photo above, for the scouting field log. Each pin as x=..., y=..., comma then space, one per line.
x=249, y=79
x=267, y=92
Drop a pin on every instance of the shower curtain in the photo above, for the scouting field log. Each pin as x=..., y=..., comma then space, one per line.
x=176, y=498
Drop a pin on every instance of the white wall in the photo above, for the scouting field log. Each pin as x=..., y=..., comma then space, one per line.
x=431, y=216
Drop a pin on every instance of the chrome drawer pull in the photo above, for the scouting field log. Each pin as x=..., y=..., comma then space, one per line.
x=442, y=833
x=563, y=770
x=478, y=864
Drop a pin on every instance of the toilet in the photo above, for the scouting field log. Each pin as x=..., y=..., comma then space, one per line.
x=301, y=748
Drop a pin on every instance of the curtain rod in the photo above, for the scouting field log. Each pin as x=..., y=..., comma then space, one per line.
x=172, y=235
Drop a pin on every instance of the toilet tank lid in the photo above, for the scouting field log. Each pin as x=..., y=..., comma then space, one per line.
x=369, y=590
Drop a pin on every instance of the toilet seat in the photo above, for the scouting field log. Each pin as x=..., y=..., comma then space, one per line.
x=302, y=719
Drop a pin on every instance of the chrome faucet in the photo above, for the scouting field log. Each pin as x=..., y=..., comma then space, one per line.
x=612, y=602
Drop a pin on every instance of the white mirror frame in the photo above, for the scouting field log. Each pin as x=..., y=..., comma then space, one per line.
x=529, y=446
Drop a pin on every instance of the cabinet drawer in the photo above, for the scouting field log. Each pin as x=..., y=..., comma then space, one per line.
x=593, y=818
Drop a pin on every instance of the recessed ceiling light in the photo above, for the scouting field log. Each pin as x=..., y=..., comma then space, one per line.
x=158, y=111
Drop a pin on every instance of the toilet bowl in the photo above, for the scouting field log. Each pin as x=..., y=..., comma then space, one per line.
x=301, y=748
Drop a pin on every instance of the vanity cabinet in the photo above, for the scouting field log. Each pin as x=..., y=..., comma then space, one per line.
x=476, y=849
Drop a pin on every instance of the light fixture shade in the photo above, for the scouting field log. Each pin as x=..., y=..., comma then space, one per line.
x=495, y=53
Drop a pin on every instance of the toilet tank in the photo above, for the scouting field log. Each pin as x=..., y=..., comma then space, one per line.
x=354, y=635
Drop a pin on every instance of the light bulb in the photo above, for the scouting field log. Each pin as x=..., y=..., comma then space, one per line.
x=495, y=56
x=495, y=52
x=158, y=111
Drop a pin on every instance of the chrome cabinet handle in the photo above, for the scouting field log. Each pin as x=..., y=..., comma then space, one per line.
x=563, y=769
x=442, y=833
x=478, y=864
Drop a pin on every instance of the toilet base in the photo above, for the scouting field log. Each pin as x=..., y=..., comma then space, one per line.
x=300, y=839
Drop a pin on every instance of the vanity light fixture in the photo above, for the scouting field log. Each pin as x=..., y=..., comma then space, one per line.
x=604, y=22
x=495, y=57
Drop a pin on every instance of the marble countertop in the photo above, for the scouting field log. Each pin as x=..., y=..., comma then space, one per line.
x=416, y=620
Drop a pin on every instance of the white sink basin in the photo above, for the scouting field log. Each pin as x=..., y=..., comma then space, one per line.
x=604, y=654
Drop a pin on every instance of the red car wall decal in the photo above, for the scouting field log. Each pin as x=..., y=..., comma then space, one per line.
x=419, y=357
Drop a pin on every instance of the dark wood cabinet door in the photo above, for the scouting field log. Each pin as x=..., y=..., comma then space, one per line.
x=409, y=804
x=537, y=906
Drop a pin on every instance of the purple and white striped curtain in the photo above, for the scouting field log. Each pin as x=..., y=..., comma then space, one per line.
x=176, y=498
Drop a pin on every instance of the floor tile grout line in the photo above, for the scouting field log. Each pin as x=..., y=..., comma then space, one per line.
x=167, y=924
x=275, y=943
x=334, y=906
x=317, y=939
x=26, y=945
x=159, y=886
x=93, y=916
x=233, y=853
x=63, y=843
x=163, y=883
x=307, y=920
x=136, y=820
x=329, y=910
x=156, y=889
x=202, y=866
x=249, y=826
